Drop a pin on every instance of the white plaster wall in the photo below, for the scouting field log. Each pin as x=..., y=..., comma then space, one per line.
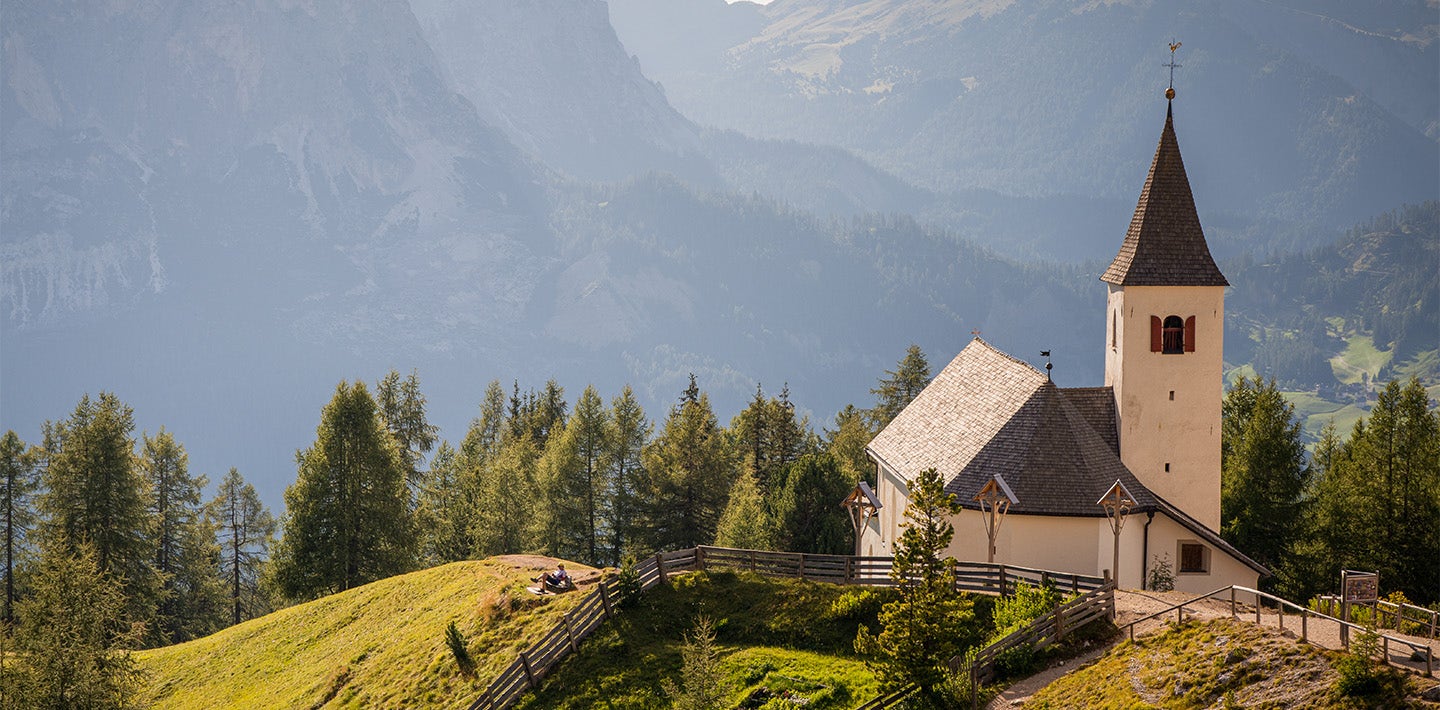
x=1154, y=429
x=1165, y=535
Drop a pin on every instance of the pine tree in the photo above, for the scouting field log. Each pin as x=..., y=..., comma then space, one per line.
x=94, y=494
x=245, y=529
x=348, y=519
x=768, y=437
x=847, y=444
x=900, y=386
x=807, y=514
x=506, y=499
x=627, y=475
x=444, y=510
x=73, y=640
x=1263, y=471
x=930, y=623
x=486, y=431
x=17, y=513
x=689, y=471
x=402, y=408
x=186, y=555
x=746, y=522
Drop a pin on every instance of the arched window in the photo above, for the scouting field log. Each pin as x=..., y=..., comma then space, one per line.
x=1172, y=335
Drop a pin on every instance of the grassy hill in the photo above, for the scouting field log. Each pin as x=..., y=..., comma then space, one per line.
x=777, y=638
x=1220, y=663
x=380, y=645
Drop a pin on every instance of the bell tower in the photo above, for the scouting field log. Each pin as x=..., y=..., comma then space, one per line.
x=1164, y=341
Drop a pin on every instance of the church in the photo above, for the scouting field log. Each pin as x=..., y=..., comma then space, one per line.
x=1047, y=474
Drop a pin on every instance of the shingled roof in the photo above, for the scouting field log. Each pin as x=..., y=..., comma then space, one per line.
x=987, y=413
x=1165, y=245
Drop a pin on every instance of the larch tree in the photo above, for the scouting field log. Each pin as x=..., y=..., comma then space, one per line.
x=17, y=510
x=245, y=529
x=688, y=467
x=629, y=433
x=95, y=494
x=73, y=639
x=847, y=442
x=1263, y=470
x=444, y=509
x=900, y=386
x=402, y=407
x=486, y=431
x=348, y=518
x=185, y=553
x=505, y=498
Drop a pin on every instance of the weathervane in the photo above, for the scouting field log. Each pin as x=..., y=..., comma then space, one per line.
x=1046, y=354
x=1170, y=91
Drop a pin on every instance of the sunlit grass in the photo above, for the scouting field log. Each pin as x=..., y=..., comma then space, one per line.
x=380, y=645
x=1360, y=357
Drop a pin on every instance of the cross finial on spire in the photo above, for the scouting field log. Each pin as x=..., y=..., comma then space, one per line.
x=1170, y=91
x=975, y=332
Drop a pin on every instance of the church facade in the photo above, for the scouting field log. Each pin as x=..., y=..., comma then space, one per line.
x=1000, y=432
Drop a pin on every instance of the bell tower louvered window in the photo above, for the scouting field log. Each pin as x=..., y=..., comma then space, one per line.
x=1172, y=336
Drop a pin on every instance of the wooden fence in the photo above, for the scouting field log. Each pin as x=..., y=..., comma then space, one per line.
x=1305, y=614
x=1426, y=621
x=562, y=640
x=1040, y=633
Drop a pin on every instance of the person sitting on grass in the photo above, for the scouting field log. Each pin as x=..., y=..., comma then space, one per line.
x=559, y=580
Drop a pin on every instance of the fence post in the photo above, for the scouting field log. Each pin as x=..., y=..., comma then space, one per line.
x=1385, y=650
x=1002, y=580
x=1257, y=609
x=1233, y=615
x=849, y=563
x=1059, y=622
x=802, y=566
x=569, y=631
x=1074, y=584
x=700, y=557
x=660, y=565
x=1305, y=624
x=605, y=599
x=529, y=674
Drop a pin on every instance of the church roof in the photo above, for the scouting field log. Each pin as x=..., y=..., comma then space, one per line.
x=1165, y=245
x=988, y=413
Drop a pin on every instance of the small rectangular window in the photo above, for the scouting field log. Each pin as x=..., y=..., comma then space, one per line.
x=1194, y=558
x=1172, y=395
x=1167, y=467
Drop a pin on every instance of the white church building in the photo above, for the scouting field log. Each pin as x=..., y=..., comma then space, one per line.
x=990, y=422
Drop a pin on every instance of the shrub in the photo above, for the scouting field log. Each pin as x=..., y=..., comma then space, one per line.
x=627, y=582
x=1357, y=669
x=456, y=641
x=1162, y=575
x=1016, y=661
x=1028, y=604
x=856, y=605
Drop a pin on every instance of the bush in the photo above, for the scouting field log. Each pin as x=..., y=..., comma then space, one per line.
x=1162, y=575
x=1016, y=661
x=1028, y=604
x=1358, y=671
x=627, y=583
x=856, y=605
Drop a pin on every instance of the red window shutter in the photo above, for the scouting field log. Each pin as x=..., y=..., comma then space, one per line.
x=1190, y=334
x=1154, y=334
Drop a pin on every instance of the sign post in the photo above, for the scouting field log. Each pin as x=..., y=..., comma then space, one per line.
x=1357, y=588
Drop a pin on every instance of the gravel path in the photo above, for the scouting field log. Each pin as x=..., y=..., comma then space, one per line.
x=1132, y=605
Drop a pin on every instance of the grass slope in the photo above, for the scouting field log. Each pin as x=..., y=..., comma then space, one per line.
x=1221, y=663
x=785, y=636
x=380, y=645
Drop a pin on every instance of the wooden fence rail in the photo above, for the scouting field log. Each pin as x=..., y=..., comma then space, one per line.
x=535, y=662
x=1427, y=620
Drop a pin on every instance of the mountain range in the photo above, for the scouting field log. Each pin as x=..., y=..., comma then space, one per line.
x=220, y=210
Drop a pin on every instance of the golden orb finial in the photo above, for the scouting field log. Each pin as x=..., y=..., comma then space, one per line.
x=1170, y=93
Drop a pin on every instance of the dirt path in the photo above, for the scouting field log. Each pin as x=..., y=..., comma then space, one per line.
x=1132, y=605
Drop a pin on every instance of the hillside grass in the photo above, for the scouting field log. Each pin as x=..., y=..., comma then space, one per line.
x=1360, y=357
x=380, y=645
x=1218, y=663
x=776, y=637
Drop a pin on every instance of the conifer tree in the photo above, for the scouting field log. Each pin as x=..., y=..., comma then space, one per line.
x=930, y=623
x=186, y=555
x=900, y=386
x=95, y=494
x=807, y=511
x=689, y=471
x=73, y=640
x=1263, y=471
x=402, y=407
x=244, y=528
x=505, y=499
x=746, y=522
x=486, y=431
x=17, y=510
x=847, y=444
x=444, y=510
x=348, y=518
x=627, y=475
x=768, y=437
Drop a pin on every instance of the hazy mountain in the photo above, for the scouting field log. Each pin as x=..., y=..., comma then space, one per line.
x=1054, y=98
